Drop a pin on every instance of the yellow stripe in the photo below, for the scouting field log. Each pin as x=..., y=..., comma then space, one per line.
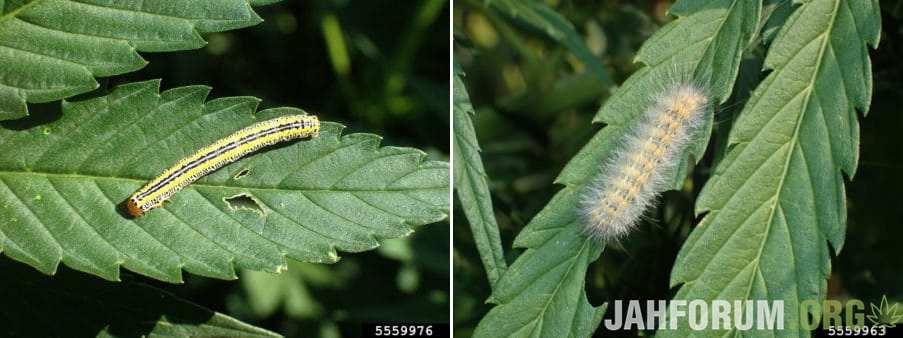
x=310, y=126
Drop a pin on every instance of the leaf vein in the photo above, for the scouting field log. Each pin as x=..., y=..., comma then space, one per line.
x=31, y=212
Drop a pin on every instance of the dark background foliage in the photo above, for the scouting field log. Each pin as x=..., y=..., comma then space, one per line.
x=534, y=103
x=392, y=79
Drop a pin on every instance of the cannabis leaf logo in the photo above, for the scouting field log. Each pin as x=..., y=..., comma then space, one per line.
x=884, y=315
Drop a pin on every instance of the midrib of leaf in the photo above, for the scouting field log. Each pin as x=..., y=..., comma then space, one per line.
x=525, y=308
x=189, y=224
x=495, y=256
x=473, y=192
x=793, y=142
x=208, y=185
x=201, y=185
x=142, y=13
x=558, y=285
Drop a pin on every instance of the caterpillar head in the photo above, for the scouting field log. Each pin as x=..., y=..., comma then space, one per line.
x=133, y=208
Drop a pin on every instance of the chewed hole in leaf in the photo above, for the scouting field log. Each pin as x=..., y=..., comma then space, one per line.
x=243, y=202
x=242, y=173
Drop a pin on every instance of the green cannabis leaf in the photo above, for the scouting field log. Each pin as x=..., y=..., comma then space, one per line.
x=774, y=15
x=543, y=293
x=778, y=197
x=53, y=49
x=707, y=40
x=471, y=185
x=72, y=304
x=62, y=185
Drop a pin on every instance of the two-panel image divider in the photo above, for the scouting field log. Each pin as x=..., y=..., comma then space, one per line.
x=450, y=168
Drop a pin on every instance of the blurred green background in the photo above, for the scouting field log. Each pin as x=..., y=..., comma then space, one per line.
x=376, y=66
x=534, y=101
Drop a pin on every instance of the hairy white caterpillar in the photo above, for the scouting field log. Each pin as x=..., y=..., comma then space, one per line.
x=638, y=170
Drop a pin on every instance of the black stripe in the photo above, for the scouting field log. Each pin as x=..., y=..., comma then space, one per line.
x=220, y=151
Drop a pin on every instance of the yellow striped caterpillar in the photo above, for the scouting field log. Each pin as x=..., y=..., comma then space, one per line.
x=218, y=154
x=638, y=170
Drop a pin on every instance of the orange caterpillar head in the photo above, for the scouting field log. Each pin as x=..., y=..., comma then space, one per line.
x=133, y=208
